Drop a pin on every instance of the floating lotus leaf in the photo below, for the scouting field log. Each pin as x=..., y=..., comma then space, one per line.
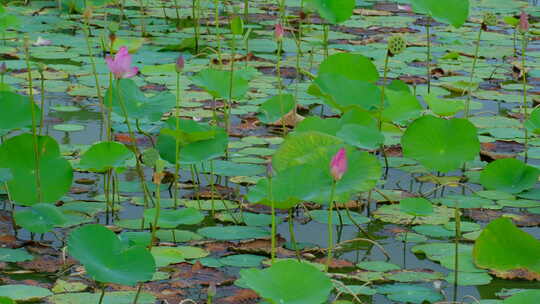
x=56, y=174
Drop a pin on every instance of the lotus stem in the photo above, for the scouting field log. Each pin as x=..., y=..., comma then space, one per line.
x=293, y=235
x=33, y=113
x=325, y=39
x=525, y=104
x=42, y=99
x=157, y=181
x=229, y=101
x=428, y=59
x=102, y=295
x=218, y=36
x=475, y=60
x=195, y=17
x=330, y=226
x=273, y=212
x=138, y=165
x=139, y=288
x=457, y=217
x=383, y=88
x=177, y=11
x=212, y=186
x=177, y=146
x=94, y=72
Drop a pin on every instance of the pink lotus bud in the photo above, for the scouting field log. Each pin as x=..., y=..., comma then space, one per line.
x=338, y=165
x=406, y=8
x=180, y=63
x=120, y=66
x=3, y=68
x=269, y=169
x=279, y=31
x=523, y=22
x=42, y=42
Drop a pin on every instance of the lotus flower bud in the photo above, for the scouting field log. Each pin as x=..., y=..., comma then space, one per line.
x=396, y=44
x=180, y=63
x=87, y=14
x=338, y=164
x=523, y=25
x=490, y=19
x=269, y=170
x=279, y=32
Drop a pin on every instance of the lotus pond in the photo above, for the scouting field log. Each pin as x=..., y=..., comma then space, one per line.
x=291, y=152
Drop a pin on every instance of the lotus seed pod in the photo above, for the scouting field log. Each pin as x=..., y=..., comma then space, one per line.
x=396, y=44
x=490, y=19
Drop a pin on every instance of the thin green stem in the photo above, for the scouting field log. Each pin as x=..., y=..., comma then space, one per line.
x=525, y=104
x=138, y=294
x=34, y=122
x=457, y=217
x=293, y=235
x=428, y=63
x=102, y=295
x=177, y=147
x=330, y=227
x=325, y=39
x=94, y=72
x=273, y=210
x=475, y=60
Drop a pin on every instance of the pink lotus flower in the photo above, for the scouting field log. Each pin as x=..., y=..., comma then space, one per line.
x=279, y=32
x=523, y=22
x=338, y=165
x=120, y=66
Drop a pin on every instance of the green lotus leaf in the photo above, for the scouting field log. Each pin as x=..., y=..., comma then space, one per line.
x=55, y=172
x=106, y=259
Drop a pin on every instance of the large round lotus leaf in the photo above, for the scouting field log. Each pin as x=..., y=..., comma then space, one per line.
x=410, y=293
x=103, y=156
x=275, y=108
x=496, y=246
x=198, y=141
x=351, y=66
x=106, y=260
x=14, y=255
x=171, y=255
x=56, y=174
x=233, y=232
x=303, y=148
x=334, y=11
x=173, y=218
x=289, y=282
x=416, y=206
x=440, y=144
x=217, y=83
x=524, y=297
x=40, y=218
x=454, y=12
x=136, y=103
x=344, y=94
x=509, y=175
x=24, y=292
x=117, y=297
x=16, y=111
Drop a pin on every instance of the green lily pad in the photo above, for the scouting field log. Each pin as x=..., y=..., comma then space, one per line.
x=24, y=292
x=14, y=255
x=509, y=175
x=288, y=281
